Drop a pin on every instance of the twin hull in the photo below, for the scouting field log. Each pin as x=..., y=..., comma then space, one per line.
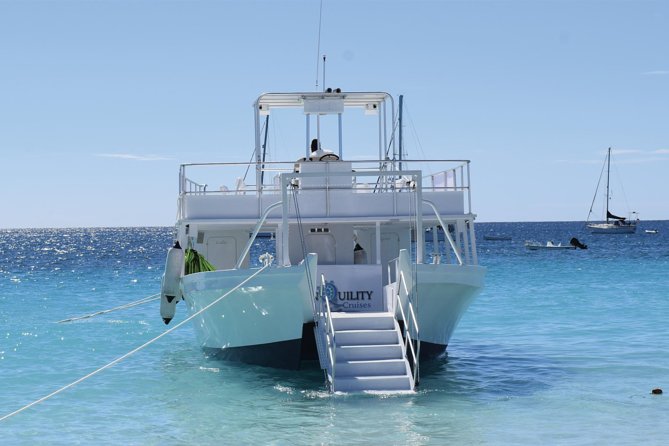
x=268, y=321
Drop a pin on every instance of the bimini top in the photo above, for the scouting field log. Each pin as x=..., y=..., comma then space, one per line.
x=322, y=102
x=322, y=106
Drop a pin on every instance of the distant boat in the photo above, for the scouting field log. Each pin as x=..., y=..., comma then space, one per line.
x=651, y=231
x=497, y=237
x=534, y=246
x=613, y=223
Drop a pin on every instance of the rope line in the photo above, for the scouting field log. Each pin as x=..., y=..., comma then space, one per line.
x=303, y=242
x=132, y=352
x=601, y=173
x=120, y=307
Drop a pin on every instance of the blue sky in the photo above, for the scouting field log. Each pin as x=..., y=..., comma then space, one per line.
x=100, y=101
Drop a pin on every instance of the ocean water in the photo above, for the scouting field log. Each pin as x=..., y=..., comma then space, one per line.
x=561, y=347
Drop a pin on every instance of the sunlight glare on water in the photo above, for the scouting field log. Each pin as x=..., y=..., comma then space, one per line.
x=560, y=348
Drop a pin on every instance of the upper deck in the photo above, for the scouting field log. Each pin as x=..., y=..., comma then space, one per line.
x=327, y=190
x=371, y=179
x=344, y=185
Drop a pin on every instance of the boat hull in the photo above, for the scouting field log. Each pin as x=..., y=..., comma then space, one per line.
x=259, y=323
x=611, y=228
x=532, y=247
x=444, y=292
x=280, y=355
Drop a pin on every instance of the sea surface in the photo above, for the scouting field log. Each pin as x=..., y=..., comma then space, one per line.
x=561, y=347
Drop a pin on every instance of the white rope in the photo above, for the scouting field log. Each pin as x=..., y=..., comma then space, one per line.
x=146, y=344
x=120, y=307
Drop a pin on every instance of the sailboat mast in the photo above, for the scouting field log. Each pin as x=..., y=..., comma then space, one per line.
x=608, y=174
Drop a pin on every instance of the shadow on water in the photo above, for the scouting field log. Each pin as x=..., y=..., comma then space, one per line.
x=473, y=371
x=309, y=378
x=489, y=372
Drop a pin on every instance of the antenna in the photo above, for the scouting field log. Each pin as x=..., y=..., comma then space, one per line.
x=318, y=49
x=324, y=72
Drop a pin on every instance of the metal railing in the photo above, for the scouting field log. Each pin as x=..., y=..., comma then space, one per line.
x=410, y=323
x=191, y=187
x=451, y=175
x=447, y=234
x=326, y=325
x=252, y=238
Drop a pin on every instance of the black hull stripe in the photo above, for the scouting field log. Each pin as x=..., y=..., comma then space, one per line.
x=289, y=354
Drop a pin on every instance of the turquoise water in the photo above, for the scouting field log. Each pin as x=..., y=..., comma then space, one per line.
x=560, y=348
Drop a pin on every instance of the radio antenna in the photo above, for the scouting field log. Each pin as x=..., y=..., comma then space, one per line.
x=318, y=49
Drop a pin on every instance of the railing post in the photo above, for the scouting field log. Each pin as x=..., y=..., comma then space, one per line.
x=469, y=191
x=420, y=235
x=285, y=255
x=472, y=238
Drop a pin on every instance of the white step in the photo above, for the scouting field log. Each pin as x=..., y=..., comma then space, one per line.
x=358, y=321
x=366, y=337
x=371, y=367
x=368, y=352
x=378, y=383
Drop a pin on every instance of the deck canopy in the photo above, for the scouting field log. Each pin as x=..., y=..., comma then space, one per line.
x=324, y=113
x=366, y=100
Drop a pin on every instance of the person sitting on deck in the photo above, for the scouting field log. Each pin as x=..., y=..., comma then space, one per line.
x=318, y=154
x=316, y=151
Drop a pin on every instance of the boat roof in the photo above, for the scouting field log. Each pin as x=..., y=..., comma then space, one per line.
x=294, y=100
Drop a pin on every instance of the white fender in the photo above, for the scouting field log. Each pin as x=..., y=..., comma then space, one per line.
x=169, y=292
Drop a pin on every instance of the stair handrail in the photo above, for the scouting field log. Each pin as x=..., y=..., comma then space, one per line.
x=252, y=238
x=408, y=340
x=447, y=234
x=326, y=314
x=408, y=323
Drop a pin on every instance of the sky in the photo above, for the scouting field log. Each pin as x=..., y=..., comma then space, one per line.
x=101, y=101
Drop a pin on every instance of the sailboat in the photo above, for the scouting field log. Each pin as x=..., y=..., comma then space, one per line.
x=613, y=223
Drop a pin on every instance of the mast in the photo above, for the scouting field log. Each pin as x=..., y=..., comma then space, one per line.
x=264, y=150
x=608, y=173
x=399, y=120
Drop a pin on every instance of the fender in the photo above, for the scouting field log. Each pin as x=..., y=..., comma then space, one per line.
x=170, y=293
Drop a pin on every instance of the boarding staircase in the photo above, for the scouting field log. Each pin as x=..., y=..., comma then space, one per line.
x=365, y=351
x=369, y=354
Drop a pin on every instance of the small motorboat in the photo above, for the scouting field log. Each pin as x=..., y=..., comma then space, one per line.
x=651, y=231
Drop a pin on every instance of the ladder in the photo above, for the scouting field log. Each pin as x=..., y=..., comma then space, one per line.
x=369, y=353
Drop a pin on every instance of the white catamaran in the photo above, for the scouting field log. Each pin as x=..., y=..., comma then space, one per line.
x=350, y=279
x=613, y=224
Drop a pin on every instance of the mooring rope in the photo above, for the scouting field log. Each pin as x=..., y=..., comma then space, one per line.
x=120, y=307
x=132, y=352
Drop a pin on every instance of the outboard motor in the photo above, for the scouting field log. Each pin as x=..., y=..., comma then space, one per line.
x=575, y=242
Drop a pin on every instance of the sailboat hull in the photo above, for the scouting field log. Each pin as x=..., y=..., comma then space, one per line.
x=612, y=228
